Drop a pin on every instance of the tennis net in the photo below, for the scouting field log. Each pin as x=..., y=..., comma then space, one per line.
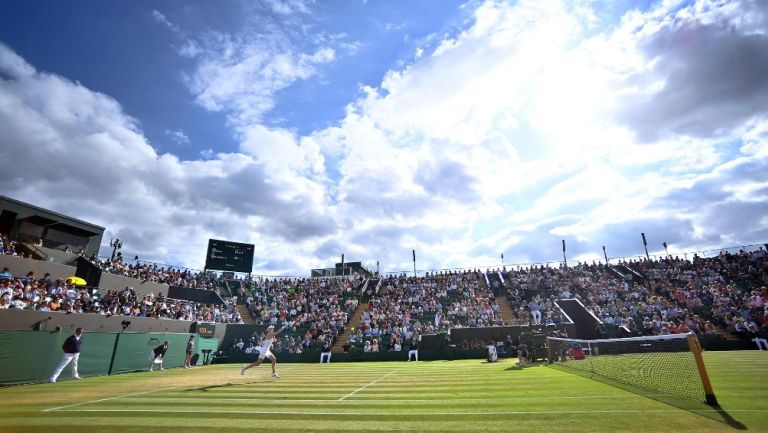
x=667, y=364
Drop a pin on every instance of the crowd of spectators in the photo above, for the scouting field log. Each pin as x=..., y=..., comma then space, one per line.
x=46, y=294
x=8, y=247
x=672, y=295
x=315, y=311
x=729, y=290
x=407, y=307
x=146, y=271
x=652, y=297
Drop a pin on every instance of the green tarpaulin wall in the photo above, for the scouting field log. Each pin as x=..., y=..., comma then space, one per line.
x=31, y=356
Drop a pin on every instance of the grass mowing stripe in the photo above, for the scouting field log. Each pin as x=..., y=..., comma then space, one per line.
x=105, y=399
x=366, y=386
x=463, y=396
x=397, y=400
x=439, y=413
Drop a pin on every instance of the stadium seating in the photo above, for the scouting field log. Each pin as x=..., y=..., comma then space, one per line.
x=722, y=294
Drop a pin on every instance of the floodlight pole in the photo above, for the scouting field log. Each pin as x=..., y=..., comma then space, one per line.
x=605, y=255
x=414, y=263
x=565, y=260
x=645, y=245
x=116, y=244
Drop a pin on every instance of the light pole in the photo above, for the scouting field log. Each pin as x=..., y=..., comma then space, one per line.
x=116, y=244
x=645, y=244
x=606, y=256
x=565, y=261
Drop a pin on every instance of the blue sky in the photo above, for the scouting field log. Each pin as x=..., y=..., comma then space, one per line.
x=370, y=128
x=128, y=52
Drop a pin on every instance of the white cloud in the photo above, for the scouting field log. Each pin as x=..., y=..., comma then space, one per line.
x=394, y=26
x=102, y=169
x=178, y=137
x=285, y=7
x=160, y=18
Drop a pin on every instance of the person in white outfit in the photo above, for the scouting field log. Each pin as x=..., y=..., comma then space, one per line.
x=535, y=307
x=761, y=342
x=71, y=349
x=264, y=351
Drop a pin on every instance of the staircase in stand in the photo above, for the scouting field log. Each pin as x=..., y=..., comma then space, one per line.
x=583, y=321
x=495, y=283
x=338, y=346
x=507, y=314
x=245, y=314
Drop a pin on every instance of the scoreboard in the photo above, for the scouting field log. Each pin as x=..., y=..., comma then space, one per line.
x=229, y=256
x=206, y=330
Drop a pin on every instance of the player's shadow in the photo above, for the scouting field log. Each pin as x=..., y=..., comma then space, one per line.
x=220, y=386
x=515, y=367
x=211, y=387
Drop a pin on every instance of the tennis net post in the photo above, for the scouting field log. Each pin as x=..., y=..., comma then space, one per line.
x=695, y=347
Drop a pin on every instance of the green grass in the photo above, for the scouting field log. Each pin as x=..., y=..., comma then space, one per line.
x=425, y=396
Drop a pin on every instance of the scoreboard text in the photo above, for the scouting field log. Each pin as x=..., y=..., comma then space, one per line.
x=229, y=256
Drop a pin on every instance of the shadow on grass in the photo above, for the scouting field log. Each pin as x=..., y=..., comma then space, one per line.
x=220, y=386
x=713, y=412
x=516, y=366
x=225, y=385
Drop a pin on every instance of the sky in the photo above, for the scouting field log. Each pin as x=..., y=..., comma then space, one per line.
x=463, y=130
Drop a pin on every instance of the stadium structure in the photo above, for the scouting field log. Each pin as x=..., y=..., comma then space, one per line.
x=634, y=324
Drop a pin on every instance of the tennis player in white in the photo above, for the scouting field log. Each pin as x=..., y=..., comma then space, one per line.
x=264, y=351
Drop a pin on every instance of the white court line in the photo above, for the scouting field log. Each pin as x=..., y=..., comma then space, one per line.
x=366, y=386
x=108, y=398
x=393, y=400
x=379, y=413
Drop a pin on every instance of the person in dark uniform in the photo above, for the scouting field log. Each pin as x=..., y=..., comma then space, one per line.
x=157, y=354
x=190, y=350
x=71, y=348
x=413, y=350
x=522, y=353
x=325, y=355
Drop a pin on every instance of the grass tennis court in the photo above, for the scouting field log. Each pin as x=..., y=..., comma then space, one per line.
x=467, y=395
